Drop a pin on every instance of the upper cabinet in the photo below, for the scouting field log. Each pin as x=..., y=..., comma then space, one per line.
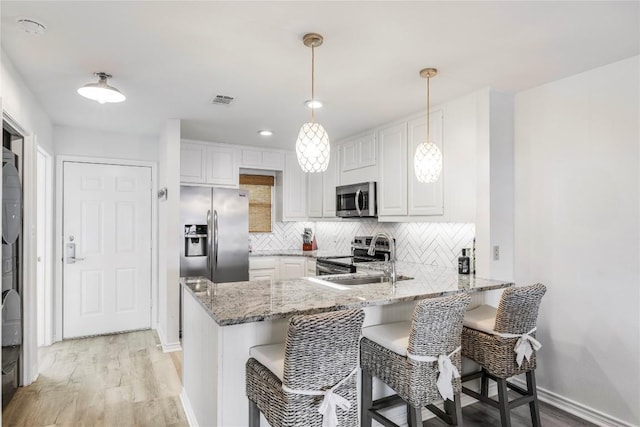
x=208, y=163
x=262, y=159
x=291, y=191
x=425, y=198
x=358, y=159
x=321, y=189
x=392, y=177
x=399, y=192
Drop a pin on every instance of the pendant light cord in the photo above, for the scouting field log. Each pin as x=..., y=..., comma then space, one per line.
x=313, y=95
x=428, y=80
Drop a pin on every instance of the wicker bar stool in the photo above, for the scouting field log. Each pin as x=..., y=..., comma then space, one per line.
x=502, y=341
x=310, y=380
x=419, y=360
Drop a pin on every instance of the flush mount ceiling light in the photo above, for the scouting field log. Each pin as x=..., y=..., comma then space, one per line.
x=101, y=91
x=313, y=103
x=312, y=146
x=31, y=26
x=265, y=132
x=427, y=161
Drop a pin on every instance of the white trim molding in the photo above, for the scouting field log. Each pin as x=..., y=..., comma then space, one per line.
x=188, y=410
x=167, y=347
x=575, y=408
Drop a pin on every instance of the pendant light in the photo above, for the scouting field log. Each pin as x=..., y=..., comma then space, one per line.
x=427, y=161
x=312, y=146
x=101, y=91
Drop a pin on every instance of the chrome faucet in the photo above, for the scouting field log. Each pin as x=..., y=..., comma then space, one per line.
x=391, y=270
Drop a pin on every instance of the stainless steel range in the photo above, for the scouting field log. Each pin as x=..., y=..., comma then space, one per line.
x=346, y=264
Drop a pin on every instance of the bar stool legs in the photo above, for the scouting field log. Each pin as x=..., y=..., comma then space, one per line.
x=528, y=396
x=254, y=414
x=366, y=399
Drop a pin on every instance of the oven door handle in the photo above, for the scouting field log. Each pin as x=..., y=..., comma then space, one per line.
x=358, y=194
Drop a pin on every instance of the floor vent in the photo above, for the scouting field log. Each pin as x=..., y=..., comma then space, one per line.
x=222, y=100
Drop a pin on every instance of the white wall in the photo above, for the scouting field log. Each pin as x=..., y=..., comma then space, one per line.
x=577, y=215
x=169, y=236
x=93, y=143
x=24, y=111
x=22, y=106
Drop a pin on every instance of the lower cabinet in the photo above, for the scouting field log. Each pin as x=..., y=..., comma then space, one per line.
x=280, y=267
x=291, y=267
x=263, y=268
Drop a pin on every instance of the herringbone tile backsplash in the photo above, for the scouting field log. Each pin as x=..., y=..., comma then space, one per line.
x=426, y=243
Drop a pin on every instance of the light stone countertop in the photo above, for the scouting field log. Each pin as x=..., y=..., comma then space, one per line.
x=296, y=252
x=258, y=300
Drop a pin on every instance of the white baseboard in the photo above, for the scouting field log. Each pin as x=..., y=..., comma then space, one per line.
x=167, y=347
x=578, y=409
x=188, y=410
x=398, y=414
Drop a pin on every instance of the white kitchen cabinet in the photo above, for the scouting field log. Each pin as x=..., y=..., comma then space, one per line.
x=222, y=166
x=263, y=268
x=311, y=267
x=315, y=193
x=209, y=163
x=358, y=159
x=290, y=267
x=392, y=172
x=321, y=189
x=262, y=159
x=291, y=191
x=193, y=161
x=424, y=198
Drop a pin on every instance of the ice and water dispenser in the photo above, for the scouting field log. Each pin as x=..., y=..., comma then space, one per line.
x=195, y=240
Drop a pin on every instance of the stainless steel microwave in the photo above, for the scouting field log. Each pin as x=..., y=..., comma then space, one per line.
x=356, y=200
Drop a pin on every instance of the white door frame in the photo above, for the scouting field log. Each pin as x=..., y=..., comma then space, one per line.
x=59, y=241
x=29, y=253
x=47, y=311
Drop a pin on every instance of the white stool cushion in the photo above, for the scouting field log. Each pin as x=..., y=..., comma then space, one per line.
x=271, y=356
x=393, y=336
x=481, y=318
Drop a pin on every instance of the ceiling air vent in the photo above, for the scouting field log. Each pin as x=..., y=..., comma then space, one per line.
x=223, y=100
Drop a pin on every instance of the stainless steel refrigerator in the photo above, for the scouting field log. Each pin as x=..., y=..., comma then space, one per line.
x=215, y=233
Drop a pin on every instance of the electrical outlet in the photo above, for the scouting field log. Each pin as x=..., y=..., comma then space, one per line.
x=496, y=253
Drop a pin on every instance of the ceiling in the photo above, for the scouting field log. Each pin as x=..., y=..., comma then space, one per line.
x=171, y=58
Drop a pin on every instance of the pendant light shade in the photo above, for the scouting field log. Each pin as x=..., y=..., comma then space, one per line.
x=101, y=91
x=312, y=147
x=427, y=161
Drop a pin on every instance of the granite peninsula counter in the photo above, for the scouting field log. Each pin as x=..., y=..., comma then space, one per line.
x=221, y=321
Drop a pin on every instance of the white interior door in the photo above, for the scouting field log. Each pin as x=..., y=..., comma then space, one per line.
x=107, y=248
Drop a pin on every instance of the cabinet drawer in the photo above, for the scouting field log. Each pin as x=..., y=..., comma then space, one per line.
x=259, y=262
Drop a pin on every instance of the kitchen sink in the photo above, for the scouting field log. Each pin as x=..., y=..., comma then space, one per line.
x=362, y=280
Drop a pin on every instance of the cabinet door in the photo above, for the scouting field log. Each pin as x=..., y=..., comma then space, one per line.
x=263, y=274
x=367, y=150
x=425, y=198
x=330, y=180
x=295, y=190
x=311, y=267
x=350, y=156
x=222, y=166
x=192, y=162
x=273, y=160
x=392, y=185
x=292, y=267
x=251, y=158
x=315, y=194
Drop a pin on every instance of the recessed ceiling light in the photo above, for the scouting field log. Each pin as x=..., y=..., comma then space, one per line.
x=265, y=132
x=31, y=26
x=313, y=103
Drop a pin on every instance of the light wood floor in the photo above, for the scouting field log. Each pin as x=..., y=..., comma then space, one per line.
x=126, y=380
x=114, y=380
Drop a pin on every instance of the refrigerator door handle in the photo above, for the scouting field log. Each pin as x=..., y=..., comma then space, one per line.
x=215, y=240
x=209, y=241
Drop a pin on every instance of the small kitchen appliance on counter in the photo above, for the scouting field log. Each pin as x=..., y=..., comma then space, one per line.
x=359, y=248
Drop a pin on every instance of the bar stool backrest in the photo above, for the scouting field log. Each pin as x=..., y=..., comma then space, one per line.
x=321, y=349
x=437, y=324
x=518, y=309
